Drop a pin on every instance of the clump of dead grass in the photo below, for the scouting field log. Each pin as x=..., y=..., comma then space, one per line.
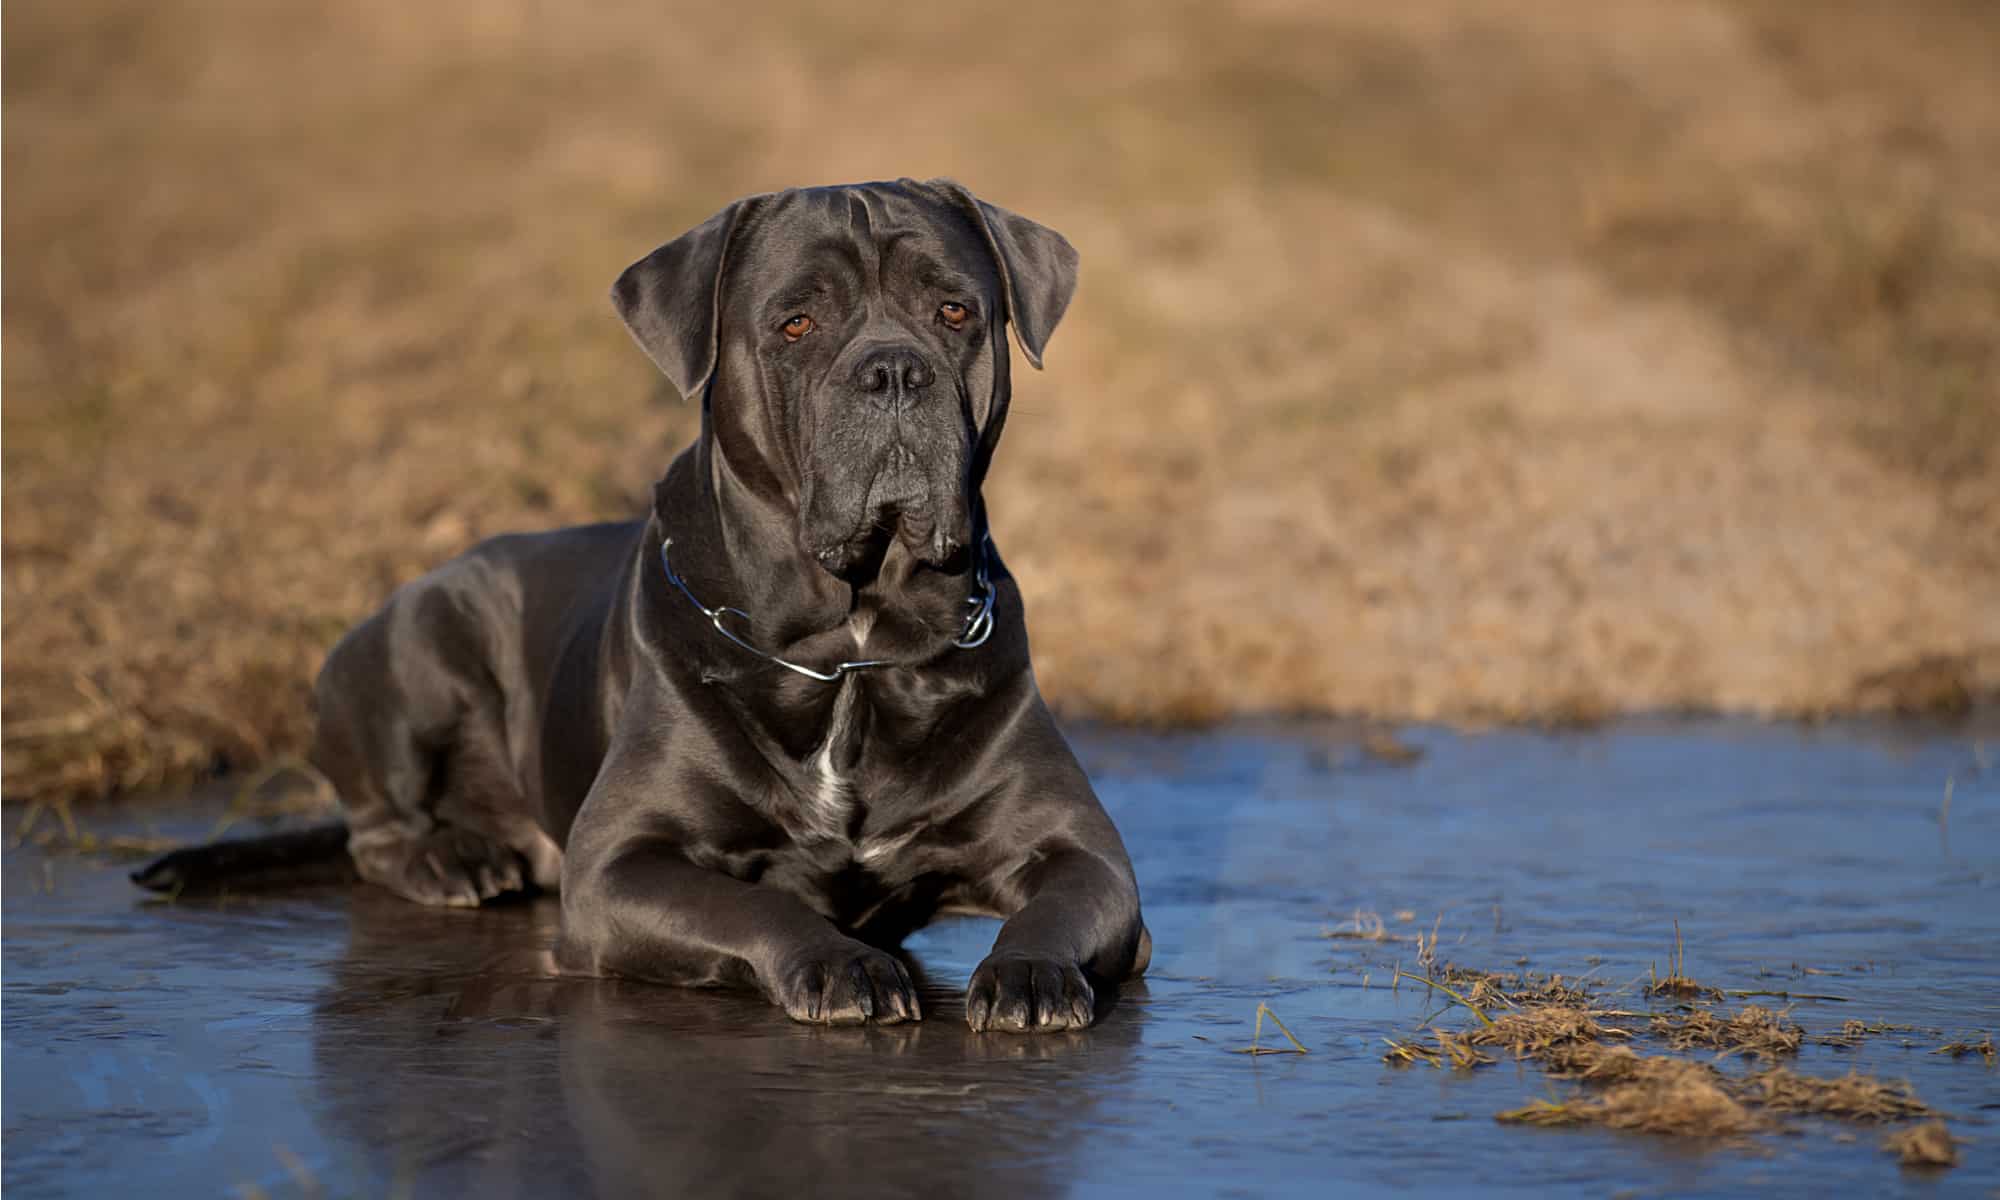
x=1927, y=1145
x=1853, y=1032
x=1681, y=1098
x=1537, y=1030
x=1755, y=1032
x=1676, y=982
x=1565, y=1027
x=1454, y=1049
x=1665, y=1096
x=1851, y=1097
x=1490, y=989
x=1960, y=1049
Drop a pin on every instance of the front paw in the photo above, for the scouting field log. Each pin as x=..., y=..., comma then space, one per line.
x=1020, y=994
x=846, y=984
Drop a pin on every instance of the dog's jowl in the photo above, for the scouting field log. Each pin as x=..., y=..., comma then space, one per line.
x=763, y=733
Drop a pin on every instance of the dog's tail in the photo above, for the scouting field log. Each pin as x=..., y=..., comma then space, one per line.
x=304, y=856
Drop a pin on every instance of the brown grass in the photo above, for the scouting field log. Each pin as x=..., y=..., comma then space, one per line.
x=1466, y=361
x=1568, y=1030
x=1676, y=982
x=1927, y=1145
x=1536, y=1031
x=1257, y=1046
x=1852, y=1033
x=1852, y=1097
x=1487, y=989
x=1678, y=1097
x=1754, y=1032
x=1456, y=1050
x=1983, y=1047
x=1671, y=1097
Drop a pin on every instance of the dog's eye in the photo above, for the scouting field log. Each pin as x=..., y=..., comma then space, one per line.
x=953, y=312
x=798, y=327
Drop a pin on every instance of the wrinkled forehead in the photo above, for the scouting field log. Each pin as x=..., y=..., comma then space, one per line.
x=868, y=235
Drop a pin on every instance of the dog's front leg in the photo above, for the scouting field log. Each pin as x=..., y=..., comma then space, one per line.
x=644, y=911
x=1078, y=921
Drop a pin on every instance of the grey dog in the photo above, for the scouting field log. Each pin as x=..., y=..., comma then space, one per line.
x=759, y=736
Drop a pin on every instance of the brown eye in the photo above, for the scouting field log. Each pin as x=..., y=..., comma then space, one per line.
x=953, y=313
x=798, y=327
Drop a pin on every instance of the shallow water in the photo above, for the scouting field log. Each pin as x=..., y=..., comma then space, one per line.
x=341, y=1042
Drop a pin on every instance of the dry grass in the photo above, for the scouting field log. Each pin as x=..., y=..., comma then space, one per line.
x=1671, y=1097
x=1682, y=1098
x=1676, y=982
x=1853, y=1033
x=1488, y=989
x=1472, y=360
x=1453, y=1049
x=1538, y=1031
x=1569, y=1030
x=1755, y=1032
x=1852, y=1097
x=1257, y=1046
x=1927, y=1145
x=1960, y=1049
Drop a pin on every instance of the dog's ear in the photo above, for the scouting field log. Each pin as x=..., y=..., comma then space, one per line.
x=671, y=300
x=1037, y=267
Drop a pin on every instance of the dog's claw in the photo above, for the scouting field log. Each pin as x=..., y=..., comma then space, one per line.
x=1017, y=994
x=447, y=867
x=847, y=985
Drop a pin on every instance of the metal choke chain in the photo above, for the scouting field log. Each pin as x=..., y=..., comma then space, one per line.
x=978, y=622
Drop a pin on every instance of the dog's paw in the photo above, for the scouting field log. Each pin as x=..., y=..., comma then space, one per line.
x=1021, y=994
x=846, y=985
x=447, y=867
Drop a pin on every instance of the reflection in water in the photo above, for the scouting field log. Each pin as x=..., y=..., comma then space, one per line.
x=341, y=1042
x=449, y=1051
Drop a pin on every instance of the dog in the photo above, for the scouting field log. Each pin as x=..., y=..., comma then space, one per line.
x=759, y=736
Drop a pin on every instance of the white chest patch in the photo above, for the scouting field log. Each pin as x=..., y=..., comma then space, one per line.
x=830, y=803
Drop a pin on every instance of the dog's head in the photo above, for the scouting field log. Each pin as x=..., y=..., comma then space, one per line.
x=849, y=347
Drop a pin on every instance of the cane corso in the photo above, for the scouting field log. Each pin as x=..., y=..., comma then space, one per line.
x=759, y=736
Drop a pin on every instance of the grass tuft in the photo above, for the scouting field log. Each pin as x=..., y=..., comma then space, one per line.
x=1927, y=1145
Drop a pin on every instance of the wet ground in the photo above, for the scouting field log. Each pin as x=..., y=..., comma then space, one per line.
x=341, y=1042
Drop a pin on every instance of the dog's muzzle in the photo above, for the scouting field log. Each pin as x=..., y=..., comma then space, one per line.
x=892, y=458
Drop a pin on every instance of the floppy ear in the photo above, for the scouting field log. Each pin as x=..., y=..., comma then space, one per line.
x=671, y=300
x=1037, y=267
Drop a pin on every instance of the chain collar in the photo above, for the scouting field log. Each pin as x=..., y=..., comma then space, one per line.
x=978, y=622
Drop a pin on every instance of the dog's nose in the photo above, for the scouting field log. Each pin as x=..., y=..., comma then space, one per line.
x=893, y=370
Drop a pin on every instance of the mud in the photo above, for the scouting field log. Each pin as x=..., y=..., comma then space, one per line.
x=340, y=1042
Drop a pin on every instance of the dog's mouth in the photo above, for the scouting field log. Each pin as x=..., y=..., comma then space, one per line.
x=903, y=505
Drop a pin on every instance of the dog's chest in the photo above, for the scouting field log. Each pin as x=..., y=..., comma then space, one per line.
x=830, y=797
x=835, y=809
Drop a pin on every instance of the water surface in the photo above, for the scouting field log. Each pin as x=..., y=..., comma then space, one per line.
x=338, y=1041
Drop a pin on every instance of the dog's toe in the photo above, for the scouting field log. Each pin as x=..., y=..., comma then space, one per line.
x=1016, y=994
x=447, y=868
x=849, y=984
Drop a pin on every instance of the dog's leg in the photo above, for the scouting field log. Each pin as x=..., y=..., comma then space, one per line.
x=646, y=912
x=1077, y=920
x=414, y=748
x=636, y=904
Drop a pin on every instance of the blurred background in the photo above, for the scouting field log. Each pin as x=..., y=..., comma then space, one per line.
x=1447, y=359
